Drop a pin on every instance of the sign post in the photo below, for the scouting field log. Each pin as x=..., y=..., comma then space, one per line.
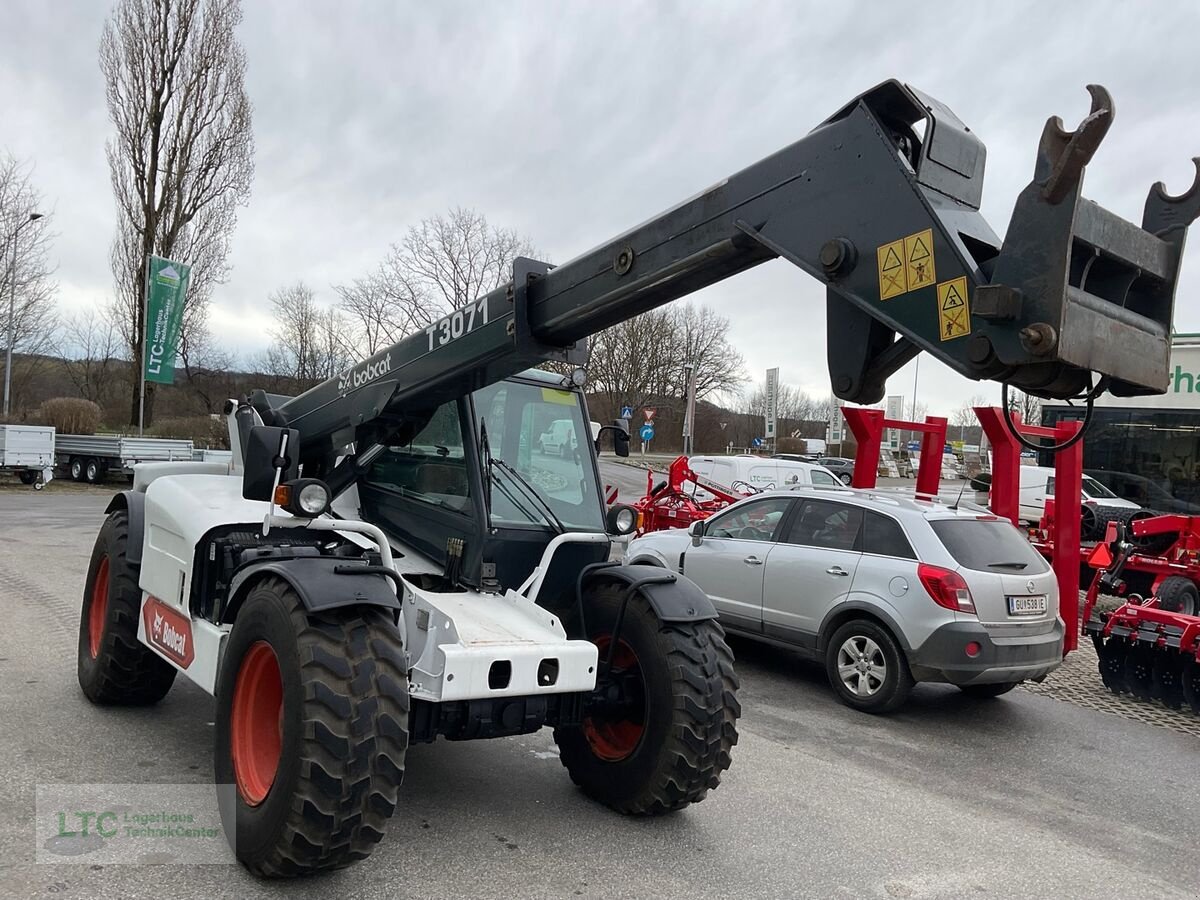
x=772, y=398
x=166, y=286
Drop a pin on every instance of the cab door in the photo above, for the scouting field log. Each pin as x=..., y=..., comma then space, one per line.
x=730, y=561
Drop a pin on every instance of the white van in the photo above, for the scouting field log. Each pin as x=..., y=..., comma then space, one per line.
x=1037, y=483
x=748, y=474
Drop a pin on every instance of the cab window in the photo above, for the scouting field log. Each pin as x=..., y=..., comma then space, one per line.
x=431, y=467
x=758, y=521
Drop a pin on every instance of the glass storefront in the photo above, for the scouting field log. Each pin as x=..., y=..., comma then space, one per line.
x=1148, y=456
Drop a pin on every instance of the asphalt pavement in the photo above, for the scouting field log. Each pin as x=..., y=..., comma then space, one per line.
x=1024, y=796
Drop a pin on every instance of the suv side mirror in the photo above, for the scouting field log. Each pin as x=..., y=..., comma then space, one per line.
x=696, y=530
x=269, y=451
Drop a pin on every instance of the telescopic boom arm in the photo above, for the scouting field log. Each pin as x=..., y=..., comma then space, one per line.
x=881, y=203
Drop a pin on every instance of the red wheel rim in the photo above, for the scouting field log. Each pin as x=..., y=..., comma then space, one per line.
x=613, y=739
x=98, y=611
x=256, y=723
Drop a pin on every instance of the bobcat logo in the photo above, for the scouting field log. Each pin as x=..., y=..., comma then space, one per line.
x=168, y=631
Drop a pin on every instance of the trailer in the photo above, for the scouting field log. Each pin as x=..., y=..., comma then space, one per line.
x=388, y=558
x=28, y=451
x=91, y=457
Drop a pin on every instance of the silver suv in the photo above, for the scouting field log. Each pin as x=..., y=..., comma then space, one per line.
x=885, y=590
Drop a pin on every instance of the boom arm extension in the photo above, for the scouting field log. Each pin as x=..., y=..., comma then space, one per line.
x=881, y=203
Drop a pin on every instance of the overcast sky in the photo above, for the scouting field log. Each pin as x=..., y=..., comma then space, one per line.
x=573, y=121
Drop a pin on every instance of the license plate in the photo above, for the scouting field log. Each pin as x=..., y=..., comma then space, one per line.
x=1027, y=606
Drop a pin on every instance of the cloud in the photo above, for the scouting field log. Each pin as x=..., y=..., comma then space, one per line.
x=571, y=122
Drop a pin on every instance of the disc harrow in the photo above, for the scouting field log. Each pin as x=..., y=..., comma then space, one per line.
x=1149, y=648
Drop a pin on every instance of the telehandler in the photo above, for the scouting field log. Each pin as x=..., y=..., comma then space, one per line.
x=389, y=558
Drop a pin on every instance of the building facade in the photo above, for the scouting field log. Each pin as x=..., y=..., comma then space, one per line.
x=1147, y=449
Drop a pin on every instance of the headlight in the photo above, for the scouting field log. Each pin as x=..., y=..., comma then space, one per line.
x=306, y=497
x=622, y=519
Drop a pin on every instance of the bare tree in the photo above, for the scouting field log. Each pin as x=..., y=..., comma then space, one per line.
x=93, y=353
x=701, y=337
x=29, y=272
x=443, y=263
x=310, y=340
x=964, y=416
x=182, y=157
x=1029, y=406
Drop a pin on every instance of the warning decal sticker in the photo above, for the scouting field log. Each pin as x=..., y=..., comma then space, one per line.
x=954, y=316
x=918, y=259
x=893, y=279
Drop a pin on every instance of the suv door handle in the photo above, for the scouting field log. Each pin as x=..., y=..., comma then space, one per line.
x=752, y=561
x=837, y=570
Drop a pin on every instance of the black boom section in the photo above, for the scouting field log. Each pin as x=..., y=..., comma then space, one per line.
x=881, y=203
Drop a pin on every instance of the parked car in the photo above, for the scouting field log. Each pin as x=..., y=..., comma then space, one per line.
x=1037, y=483
x=749, y=474
x=842, y=468
x=886, y=591
x=558, y=439
x=1144, y=491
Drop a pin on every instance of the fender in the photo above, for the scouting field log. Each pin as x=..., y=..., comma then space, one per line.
x=874, y=611
x=676, y=600
x=317, y=584
x=134, y=502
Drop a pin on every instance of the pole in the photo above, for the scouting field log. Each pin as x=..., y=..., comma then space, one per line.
x=12, y=305
x=145, y=313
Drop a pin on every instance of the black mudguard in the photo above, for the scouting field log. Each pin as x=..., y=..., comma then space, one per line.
x=318, y=584
x=135, y=503
x=673, y=597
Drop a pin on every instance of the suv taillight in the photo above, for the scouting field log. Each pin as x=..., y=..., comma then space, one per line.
x=947, y=588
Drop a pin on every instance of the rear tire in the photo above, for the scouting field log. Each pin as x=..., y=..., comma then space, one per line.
x=316, y=791
x=988, y=691
x=27, y=476
x=845, y=478
x=92, y=471
x=885, y=663
x=669, y=745
x=1178, y=595
x=114, y=667
x=76, y=468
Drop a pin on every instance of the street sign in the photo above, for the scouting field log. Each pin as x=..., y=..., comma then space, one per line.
x=647, y=432
x=626, y=412
x=649, y=413
x=756, y=442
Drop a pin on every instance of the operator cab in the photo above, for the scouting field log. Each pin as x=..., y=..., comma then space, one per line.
x=480, y=472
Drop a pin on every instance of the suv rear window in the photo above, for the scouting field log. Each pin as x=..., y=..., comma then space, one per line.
x=986, y=544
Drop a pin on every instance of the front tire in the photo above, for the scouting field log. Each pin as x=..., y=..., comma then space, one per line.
x=845, y=478
x=27, y=476
x=311, y=732
x=1178, y=595
x=76, y=468
x=867, y=668
x=92, y=472
x=114, y=667
x=664, y=733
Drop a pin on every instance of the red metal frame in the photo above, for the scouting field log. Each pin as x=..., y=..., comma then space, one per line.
x=673, y=507
x=868, y=425
x=1068, y=488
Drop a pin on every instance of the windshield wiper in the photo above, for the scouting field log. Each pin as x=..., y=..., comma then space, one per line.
x=533, y=492
x=1008, y=565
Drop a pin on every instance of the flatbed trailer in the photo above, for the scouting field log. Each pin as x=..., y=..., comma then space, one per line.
x=28, y=452
x=91, y=457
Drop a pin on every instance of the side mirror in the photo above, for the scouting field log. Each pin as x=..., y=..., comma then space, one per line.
x=620, y=437
x=270, y=452
x=696, y=530
x=620, y=433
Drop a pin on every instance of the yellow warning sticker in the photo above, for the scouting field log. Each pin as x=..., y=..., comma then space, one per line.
x=954, y=316
x=918, y=259
x=893, y=279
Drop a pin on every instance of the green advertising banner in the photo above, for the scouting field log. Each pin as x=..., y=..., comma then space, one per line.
x=165, y=289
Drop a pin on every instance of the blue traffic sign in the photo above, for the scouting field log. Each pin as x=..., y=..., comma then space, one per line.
x=647, y=432
x=626, y=412
x=756, y=442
